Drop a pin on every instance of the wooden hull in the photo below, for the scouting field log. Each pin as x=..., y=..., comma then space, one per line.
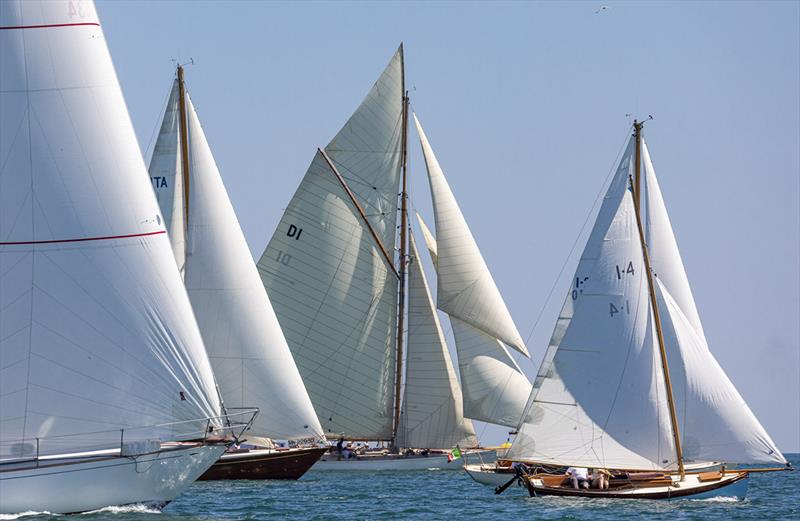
x=264, y=464
x=731, y=484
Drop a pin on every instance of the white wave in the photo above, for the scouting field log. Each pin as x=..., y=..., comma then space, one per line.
x=4, y=517
x=127, y=509
x=720, y=499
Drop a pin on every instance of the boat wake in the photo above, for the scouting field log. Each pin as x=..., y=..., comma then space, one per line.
x=4, y=517
x=721, y=499
x=127, y=509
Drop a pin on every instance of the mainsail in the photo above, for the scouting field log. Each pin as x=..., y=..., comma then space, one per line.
x=432, y=410
x=96, y=331
x=599, y=399
x=329, y=268
x=494, y=388
x=248, y=352
x=465, y=287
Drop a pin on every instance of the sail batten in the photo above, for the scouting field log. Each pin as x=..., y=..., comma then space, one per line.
x=466, y=289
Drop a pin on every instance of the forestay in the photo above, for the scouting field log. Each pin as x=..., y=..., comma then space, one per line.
x=166, y=175
x=599, y=398
x=249, y=355
x=494, y=388
x=96, y=332
x=432, y=411
x=465, y=287
x=332, y=288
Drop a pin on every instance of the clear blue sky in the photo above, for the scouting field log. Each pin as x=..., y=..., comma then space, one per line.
x=525, y=104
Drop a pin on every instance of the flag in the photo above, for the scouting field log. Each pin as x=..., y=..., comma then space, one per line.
x=454, y=454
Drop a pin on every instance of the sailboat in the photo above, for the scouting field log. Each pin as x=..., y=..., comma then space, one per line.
x=106, y=393
x=628, y=380
x=346, y=301
x=248, y=352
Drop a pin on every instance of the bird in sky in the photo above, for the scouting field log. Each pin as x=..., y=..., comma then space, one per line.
x=601, y=9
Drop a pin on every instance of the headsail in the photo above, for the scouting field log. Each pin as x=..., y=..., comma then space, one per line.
x=430, y=240
x=466, y=289
x=432, y=412
x=166, y=175
x=495, y=390
x=331, y=286
x=716, y=423
x=598, y=400
x=662, y=246
x=97, y=333
x=249, y=355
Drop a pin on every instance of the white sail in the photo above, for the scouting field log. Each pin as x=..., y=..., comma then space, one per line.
x=432, y=411
x=715, y=422
x=465, y=288
x=665, y=259
x=430, y=240
x=495, y=389
x=599, y=398
x=166, y=175
x=96, y=331
x=249, y=355
x=331, y=285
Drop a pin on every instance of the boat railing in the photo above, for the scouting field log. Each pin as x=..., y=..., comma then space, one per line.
x=128, y=441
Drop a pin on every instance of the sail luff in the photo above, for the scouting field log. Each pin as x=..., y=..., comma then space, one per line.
x=653, y=301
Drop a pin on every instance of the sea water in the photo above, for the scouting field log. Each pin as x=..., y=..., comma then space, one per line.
x=438, y=494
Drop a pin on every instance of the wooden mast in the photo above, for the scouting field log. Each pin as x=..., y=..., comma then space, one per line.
x=401, y=304
x=184, y=144
x=635, y=187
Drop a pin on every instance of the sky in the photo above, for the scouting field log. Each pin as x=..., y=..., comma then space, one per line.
x=526, y=106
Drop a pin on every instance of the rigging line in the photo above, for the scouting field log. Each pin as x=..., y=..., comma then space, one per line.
x=577, y=239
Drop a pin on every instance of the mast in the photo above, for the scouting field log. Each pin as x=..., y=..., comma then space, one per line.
x=184, y=144
x=401, y=304
x=635, y=186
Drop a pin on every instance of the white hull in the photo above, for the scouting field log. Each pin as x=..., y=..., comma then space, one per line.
x=65, y=486
x=488, y=475
x=330, y=462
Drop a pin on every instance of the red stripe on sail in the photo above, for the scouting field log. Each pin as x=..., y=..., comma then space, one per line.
x=83, y=239
x=45, y=26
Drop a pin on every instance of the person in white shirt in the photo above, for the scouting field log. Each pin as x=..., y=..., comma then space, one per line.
x=578, y=477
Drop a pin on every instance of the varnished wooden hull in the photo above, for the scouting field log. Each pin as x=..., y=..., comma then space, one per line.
x=731, y=485
x=264, y=464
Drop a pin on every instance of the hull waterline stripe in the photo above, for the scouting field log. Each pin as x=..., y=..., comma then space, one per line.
x=84, y=239
x=46, y=26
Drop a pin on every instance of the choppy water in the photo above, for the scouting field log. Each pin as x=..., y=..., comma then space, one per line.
x=439, y=495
